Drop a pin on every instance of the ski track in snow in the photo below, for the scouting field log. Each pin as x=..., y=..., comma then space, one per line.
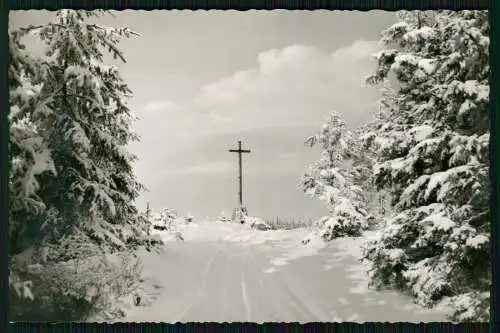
x=203, y=287
x=227, y=272
x=246, y=302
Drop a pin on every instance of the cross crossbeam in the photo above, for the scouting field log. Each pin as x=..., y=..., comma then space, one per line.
x=240, y=151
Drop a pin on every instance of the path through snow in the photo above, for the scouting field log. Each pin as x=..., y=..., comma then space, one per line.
x=227, y=272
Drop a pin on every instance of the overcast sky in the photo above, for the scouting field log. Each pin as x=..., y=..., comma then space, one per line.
x=204, y=80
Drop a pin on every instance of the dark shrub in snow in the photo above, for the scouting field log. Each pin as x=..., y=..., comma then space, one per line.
x=189, y=218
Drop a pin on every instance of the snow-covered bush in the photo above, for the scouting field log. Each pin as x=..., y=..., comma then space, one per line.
x=331, y=227
x=334, y=181
x=143, y=236
x=223, y=218
x=165, y=219
x=73, y=280
x=432, y=139
x=256, y=223
x=239, y=214
x=166, y=224
x=342, y=224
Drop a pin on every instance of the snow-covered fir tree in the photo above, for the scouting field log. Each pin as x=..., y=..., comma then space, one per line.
x=333, y=180
x=432, y=138
x=88, y=128
x=73, y=183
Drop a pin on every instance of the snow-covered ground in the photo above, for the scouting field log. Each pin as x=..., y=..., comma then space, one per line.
x=228, y=272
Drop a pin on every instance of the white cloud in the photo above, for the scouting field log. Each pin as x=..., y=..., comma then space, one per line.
x=296, y=85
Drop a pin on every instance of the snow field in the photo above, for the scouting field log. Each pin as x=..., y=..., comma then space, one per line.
x=230, y=272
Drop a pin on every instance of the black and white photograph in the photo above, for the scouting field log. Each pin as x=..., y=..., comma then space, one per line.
x=249, y=166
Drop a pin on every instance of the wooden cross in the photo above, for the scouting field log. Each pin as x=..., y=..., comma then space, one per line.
x=240, y=151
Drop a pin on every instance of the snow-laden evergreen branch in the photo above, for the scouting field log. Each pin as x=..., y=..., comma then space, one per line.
x=431, y=142
x=72, y=183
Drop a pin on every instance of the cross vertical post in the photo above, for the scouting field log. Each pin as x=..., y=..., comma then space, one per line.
x=240, y=151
